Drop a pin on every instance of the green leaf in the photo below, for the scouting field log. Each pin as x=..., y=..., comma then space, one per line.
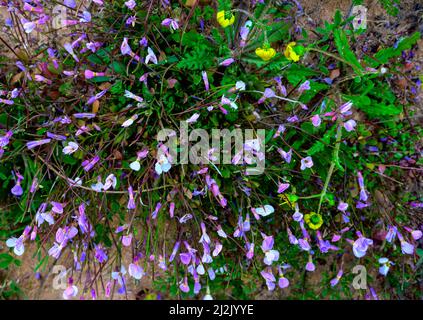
x=118, y=68
x=384, y=55
x=196, y=59
x=373, y=108
x=344, y=49
x=100, y=79
x=298, y=73
x=5, y=260
x=43, y=261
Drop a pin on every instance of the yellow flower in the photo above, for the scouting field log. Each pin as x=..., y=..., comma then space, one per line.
x=290, y=54
x=266, y=53
x=314, y=220
x=225, y=18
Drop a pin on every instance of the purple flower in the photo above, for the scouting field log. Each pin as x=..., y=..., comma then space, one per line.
x=92, y=99
x=120, y=277
x=267, y=94
x=416, y=234
x=33, y=144
x=63, y=235
x=144, y=42
x=131, y=202
x=70, y=148
x=184, y=285
x=304, y=87
x=57, y=207
x=174, y=251
x=283, y=282
x=85, y=18
x=168, y=22
x=156, y=211
x=250, y=250
x=315, y=120
x=345, y=108
x=282, y=187
x=297, y=216
x=130, y=4
x=406, y=247
x=125, y=49
x=56, y=136
x=306, y=163
x=338, y=277
x=4, y=140
x=6, y=101
x=17, y=244
x=34, y=185
x=310, y=266
x=69, y=48
x=361, y=245
x=385, y=265
x=17, y=190
x=70, y=292
x=131, y=21
x=150, y=56
x=84, y=115
x=293, y=119
x=292, y=239
x=205, y=80
x=342, y=206
x=363, y=193
x=350, y=125
x=185, y=258
x=285, y=155
x=304, y=245
x=70, y=3
x=227, y=62
x=91, y=74
x=243, y=33
x=100, y=254
x=135, y=271
x=269, y=278
x=281, y=129
x=89, y=164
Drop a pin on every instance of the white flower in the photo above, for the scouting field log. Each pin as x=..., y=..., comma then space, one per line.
x=252, y=145
x=135, y=165
x=97, y=186
x=130, y=121
x=240, y=85
x=110, y=182
x=70, y=292
x=16, y=244
x=130, y=95
x=385, y=265
x=162, y=165
x=150, y=56
x=118, y=275
x=70, y=148
x=76, y=182
x=306, y=163
x=136, y=271
x=270, y=256
x=193, y=118
x=229, y=102
x=265, y=210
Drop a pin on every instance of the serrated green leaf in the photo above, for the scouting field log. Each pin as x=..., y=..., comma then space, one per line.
x=344, y=49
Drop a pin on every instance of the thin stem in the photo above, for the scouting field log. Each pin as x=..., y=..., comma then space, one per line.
x=332, y=165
